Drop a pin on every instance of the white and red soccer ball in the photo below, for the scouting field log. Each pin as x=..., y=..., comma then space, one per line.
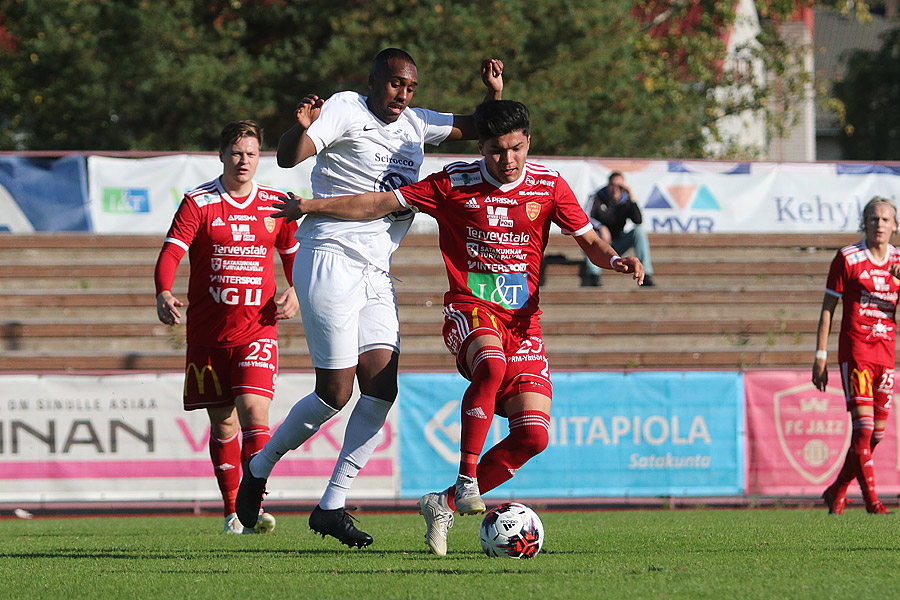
x=512, y=530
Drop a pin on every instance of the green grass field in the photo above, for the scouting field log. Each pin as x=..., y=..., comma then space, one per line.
x=788, y=553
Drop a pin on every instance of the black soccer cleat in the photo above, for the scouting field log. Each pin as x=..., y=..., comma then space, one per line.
x=338, y=523
x=249, y=498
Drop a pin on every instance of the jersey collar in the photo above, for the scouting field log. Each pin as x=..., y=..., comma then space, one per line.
x=227, y=197
x=503, y=187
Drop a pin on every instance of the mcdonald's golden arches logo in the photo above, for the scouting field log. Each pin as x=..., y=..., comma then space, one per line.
x=200, y=376
x=863, y=382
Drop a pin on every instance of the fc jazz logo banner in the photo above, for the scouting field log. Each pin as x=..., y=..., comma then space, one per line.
x=798, y=436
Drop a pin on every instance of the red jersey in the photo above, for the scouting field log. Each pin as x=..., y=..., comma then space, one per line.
x=493, y=235
x=231, y=292
x=869, y=294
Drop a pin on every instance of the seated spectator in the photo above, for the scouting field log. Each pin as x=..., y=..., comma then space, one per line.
x=610, y=208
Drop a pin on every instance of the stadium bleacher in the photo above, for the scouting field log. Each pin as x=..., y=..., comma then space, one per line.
x=76, y=302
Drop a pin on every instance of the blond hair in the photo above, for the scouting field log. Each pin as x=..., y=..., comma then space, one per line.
x=870, y=208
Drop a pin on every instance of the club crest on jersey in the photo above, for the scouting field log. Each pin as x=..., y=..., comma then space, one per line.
x=533, y=209
x=216, y=264
x=472, y=249
x=270, y=224
x=461, y=179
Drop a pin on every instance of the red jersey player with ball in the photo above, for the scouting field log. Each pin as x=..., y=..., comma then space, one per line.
x=226, y=226
x=494, y=217
x=864, y=276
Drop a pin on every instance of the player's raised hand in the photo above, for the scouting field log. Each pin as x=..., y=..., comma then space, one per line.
x=286, y=304
x=288, y=207
x=492, y=74
x=308, y=110
x=630, y=264
x=167, y=308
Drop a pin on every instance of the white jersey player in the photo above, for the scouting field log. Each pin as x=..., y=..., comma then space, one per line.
x=341, y=273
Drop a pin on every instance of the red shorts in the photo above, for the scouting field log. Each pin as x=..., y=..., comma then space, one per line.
x=868, y=383
x=213, y=377
x=527, y=368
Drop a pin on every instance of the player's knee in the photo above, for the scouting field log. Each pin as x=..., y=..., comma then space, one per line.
x=533, y=441
x=334, y=393
x=489, y=365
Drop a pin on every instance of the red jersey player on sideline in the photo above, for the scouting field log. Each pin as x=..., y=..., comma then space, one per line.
x=865, y=276
x=494, y=217
x=232, y=344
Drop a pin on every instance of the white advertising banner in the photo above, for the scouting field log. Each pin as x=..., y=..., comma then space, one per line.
x=130, y=195
x=127, y=438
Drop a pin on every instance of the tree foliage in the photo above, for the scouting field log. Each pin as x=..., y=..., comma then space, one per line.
x=870, y=93
x=601, y=77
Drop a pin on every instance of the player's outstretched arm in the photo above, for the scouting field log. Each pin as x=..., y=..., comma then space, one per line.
x=602, y=254
x=819, y=369
x=294, y=146
x=360, y=207
x=492, y=77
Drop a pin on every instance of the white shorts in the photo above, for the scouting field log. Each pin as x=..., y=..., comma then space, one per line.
x=348, y=306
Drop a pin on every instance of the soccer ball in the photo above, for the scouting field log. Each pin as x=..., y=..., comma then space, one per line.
x=512, y=530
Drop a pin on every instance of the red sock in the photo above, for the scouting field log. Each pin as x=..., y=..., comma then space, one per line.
x=226, y=460
x=477, y=411
x=252, y=441
x=861, y=444
x=529, y=434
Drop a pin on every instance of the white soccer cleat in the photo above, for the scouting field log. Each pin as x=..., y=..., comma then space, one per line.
x=233, y=525
x=438, y=520
x=467, y=497
x=264, y=523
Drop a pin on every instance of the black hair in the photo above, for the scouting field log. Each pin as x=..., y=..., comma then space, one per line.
x=383, y=59
x=494, y=118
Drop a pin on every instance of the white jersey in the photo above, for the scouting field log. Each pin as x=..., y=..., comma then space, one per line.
x=359, y=153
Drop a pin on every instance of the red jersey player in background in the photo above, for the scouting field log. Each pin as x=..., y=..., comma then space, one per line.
x=864, y=275
x=232, y=349
x=494, y=218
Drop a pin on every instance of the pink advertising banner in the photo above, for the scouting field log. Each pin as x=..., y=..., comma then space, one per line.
x=797, y=436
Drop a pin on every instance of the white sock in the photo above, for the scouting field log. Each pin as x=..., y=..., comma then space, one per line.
x=301, y=423
x=364, y=433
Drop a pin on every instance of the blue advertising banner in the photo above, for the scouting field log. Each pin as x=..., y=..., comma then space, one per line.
x=611, y=434
x=43, y=194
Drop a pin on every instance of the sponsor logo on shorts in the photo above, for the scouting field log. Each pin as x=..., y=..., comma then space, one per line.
x=199, y=374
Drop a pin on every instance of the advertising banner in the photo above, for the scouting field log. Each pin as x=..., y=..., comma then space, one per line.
x=126, y=437
x=140, y=195
x=43, y=194
x=797, y=436
x=611, y=434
